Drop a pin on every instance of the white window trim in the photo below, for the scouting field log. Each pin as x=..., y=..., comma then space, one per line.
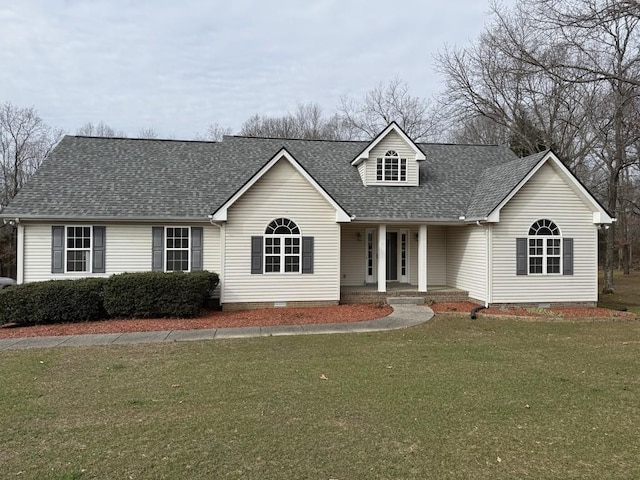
x=66, y=249
x=545, y=255
x=282, y=254
x=374, y=274
x=401, y=161
x=404, y=278
x=166, y=249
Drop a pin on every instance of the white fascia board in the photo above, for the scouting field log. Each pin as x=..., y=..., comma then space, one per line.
x=364, y=155
x=599, y=213
x=220, y=215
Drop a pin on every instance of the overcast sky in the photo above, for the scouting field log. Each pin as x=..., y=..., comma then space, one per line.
x=178, y=66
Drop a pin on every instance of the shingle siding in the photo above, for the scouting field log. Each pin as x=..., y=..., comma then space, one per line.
x=546, y=195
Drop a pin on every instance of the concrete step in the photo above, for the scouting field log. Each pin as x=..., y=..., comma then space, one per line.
x=405, y=300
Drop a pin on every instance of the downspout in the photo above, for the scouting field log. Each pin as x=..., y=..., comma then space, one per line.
x=20, y=254
x=488, y=269
x=19, y=248
x=223, y=242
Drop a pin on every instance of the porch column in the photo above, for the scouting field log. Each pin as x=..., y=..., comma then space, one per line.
x=422, y=258
x=382, y=258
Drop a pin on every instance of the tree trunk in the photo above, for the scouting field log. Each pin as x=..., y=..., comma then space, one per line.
x=610, y=237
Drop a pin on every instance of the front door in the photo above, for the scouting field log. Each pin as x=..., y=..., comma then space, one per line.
x=392, y=256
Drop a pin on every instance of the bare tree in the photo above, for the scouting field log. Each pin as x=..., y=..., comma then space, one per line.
x=25, y=140
x=99, y=130
x=365, y=118
x=149, y=133
x=307, y=122
x=573, y=68
x=214, y=133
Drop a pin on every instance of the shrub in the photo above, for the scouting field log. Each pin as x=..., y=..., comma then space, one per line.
x=54, y=301
x=157, y=294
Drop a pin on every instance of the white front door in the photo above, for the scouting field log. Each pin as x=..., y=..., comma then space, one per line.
x=397, y=255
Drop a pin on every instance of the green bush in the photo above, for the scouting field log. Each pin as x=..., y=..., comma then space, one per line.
x=54, y=301
x=157, y=294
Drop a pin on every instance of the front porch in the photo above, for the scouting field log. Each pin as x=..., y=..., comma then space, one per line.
x=369, y=293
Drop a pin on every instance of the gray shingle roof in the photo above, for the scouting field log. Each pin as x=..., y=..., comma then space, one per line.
x=133, y=178
x=496, y=183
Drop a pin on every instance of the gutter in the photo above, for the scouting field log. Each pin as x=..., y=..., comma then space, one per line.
x=105, y=218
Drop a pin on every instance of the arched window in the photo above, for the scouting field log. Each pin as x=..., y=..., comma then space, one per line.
x=545, y=248
x=282, y=247
x=391, y=167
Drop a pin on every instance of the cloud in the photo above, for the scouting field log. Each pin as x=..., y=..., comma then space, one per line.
x=178, y=67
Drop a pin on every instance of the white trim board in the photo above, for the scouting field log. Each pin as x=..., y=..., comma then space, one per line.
x=220, y=215
x=364, y=155
x=599, y=214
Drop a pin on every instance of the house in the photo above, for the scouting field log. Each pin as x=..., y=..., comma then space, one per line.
x=304, y=222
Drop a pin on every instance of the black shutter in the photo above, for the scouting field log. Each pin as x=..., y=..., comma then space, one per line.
x=196, y=248
x=98, y=250
x=567, y=256
x=307, y=254
x=157, y=249
x=256, y=254
x=57, y=249
x=521, y=256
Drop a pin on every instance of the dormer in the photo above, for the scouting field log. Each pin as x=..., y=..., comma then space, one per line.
x=391, y=159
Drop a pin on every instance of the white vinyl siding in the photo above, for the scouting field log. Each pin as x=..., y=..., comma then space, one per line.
x=353, y=254
x=362, y=170
x=466, y=259
x=353, y=251
x=127, y=249
x=436, y=256
x=281, y=192
x=546, y=195
x=392, y=141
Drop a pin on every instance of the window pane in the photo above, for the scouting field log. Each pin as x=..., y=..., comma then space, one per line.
x=77, y=261
x=553, y=265
x=177, y=260
x=535, y=265
x=292, y=263
x=272, y=264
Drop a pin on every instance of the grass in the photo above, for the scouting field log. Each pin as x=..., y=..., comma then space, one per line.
x=627, y=292
x=454, y=398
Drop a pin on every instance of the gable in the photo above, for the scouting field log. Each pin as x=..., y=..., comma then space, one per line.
x=565, y=185
x=407, y=153
x=282, y=156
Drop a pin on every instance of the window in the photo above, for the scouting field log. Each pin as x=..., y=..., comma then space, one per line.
x=391, y=167
x=544, y=244
x=282, y=247
x=177, y=251
x=78, y=249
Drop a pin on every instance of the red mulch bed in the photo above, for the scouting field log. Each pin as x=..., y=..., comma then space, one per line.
x=465, y=308
x=212, y=319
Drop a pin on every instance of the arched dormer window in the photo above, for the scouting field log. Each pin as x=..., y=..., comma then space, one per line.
x=545, y=248
x=391, y=168
x=282, y=247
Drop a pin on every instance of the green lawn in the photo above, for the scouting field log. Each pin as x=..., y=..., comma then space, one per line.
x=454, y=398
x=627, y=292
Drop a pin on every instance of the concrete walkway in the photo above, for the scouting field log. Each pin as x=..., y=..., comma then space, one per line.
x=402, y=316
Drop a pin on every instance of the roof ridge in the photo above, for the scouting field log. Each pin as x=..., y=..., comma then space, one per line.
x=298, y=139
x=99, y=137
